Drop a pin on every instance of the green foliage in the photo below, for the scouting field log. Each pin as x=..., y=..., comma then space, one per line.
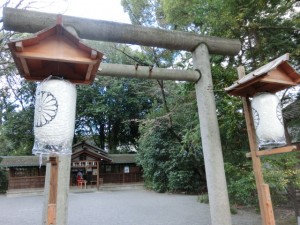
x=16, y=127
x=230, y=117
x=233, y=211
x=17, y=133
x=241, y=184
x=109, y=110
x=183, y=180
x=153, y=155
x=142, y=12
x=203, y=198
x=164, y=163
x=282, y=173
x=267, y=29
x=169, y=147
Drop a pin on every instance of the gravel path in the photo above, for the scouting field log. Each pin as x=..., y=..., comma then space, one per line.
x=127, y=207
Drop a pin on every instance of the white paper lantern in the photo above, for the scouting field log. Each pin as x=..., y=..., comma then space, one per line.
x=54, y=117
x=268, y=122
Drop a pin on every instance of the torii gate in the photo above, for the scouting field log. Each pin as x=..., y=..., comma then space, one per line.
x=200, y=46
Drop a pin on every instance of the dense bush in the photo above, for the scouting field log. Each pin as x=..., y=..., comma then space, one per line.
x=241, y=184
x=166, y=166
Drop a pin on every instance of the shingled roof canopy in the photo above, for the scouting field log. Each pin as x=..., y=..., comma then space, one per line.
x=79, y=148
x=83, y=144
x=21, y=161
x=123, y=158
x=55, y=51
x=272, y=77
x=27, y=161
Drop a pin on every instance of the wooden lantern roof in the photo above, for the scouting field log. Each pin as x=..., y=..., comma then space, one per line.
x=55, y=51
x=272, y=77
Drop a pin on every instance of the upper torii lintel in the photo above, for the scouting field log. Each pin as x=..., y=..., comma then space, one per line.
x=32, y=21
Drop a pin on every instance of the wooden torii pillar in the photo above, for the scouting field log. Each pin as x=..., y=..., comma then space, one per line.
x=201, y=46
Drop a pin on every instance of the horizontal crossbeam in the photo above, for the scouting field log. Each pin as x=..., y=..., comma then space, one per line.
x=31, y=22
x=274, y=151
x=136, y=71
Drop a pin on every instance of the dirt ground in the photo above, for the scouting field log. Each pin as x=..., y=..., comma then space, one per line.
x=285, y=216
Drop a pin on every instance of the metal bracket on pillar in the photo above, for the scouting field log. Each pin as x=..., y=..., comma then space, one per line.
x=200, y=75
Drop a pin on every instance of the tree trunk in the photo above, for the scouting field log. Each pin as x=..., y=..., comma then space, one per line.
x=102, y=136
